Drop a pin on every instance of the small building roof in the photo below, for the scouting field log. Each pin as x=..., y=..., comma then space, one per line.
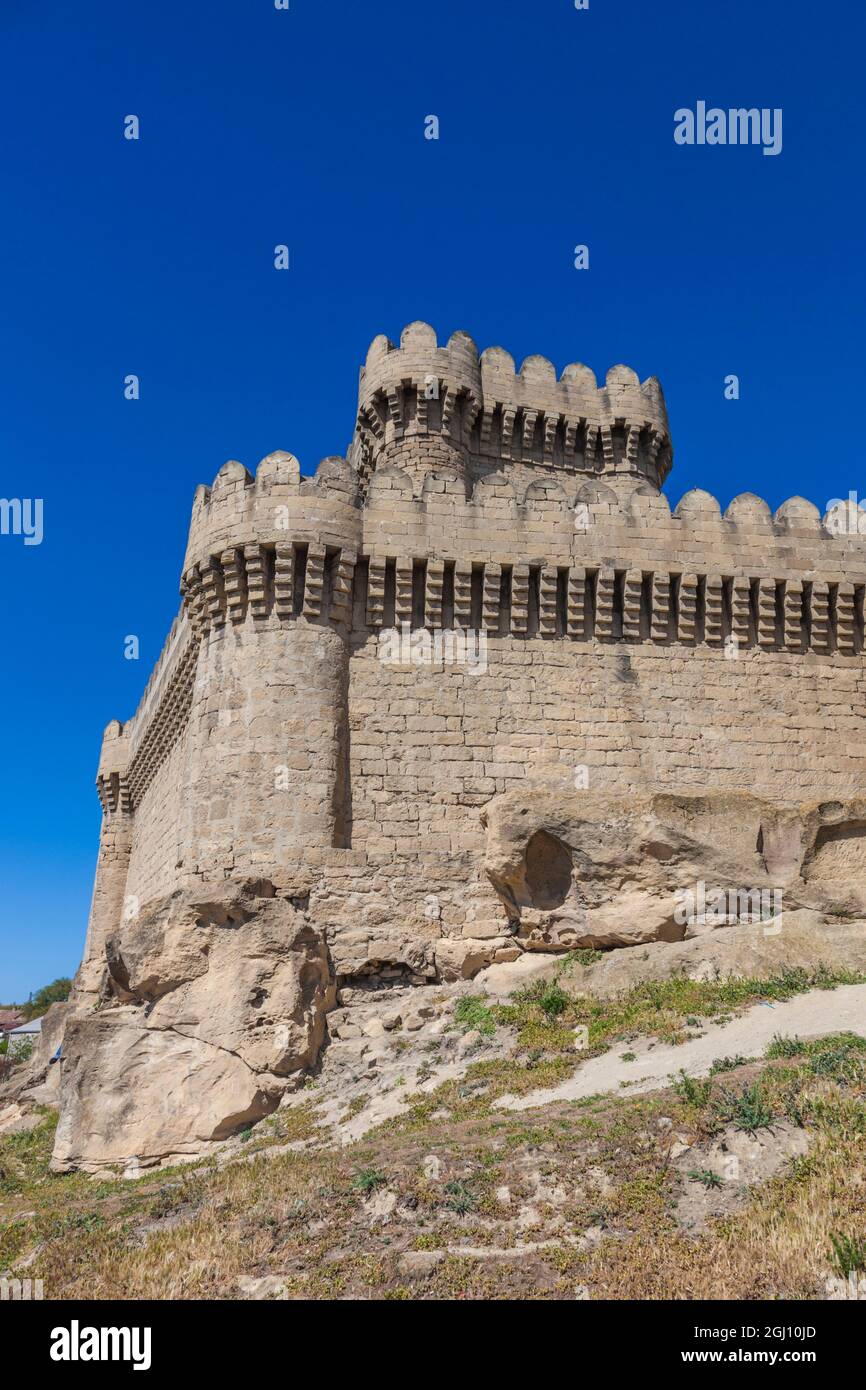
x=34, y=1026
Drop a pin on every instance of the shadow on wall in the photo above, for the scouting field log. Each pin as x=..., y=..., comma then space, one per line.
x=548, y=871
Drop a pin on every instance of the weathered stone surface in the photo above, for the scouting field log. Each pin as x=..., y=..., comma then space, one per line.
x=418, y=1264
x=263, y=1287
x=805, y=940
x=38, y=1080
x=591, y=871
x=504, y=978
x=740, y=1161
x=17, y=1119
x=134, y=1091
x=461, y=958
x=247, y=974
x=366, y=952
x=223, y=998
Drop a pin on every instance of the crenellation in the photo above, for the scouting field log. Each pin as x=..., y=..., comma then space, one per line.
x=434, y=594
x=768, y=631
x=462, y=594
x=577, y=602
x=376, y=593
x=687, y=592
x=549, y=602
x=342, y=588
x=794, y=621
x=256, y=562
x=314, y=583
x=213, y=586
x=404, y=585
x=284, y=580
x=234, y=585
x=660, y=625
x=520, y=577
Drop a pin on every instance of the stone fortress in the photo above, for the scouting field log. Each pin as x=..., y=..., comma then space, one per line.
x=406, y=810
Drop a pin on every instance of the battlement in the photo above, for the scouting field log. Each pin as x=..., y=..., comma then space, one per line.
x=422, y=406
x=279, y=542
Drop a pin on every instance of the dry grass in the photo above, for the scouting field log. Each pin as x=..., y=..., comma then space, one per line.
x=333, y=1223
x=671, y=1010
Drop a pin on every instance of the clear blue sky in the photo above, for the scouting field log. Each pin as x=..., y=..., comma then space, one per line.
x=305, y=127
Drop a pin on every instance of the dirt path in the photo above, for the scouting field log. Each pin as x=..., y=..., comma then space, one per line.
x=806, y=1016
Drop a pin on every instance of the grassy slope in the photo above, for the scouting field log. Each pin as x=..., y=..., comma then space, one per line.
x=318, y=1216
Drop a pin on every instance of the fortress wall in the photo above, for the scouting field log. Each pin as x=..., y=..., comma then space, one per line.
x=480, y=410
x=157, y=849
x=106, y=906
x=174, y=657
x=608, y=645
x=615, y=608
x=418, y=897
x=431, y=746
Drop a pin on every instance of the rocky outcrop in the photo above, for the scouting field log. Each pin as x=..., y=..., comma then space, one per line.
x=37, y=1081
x=219, y=1003
x=801, y=940
x=581, y=870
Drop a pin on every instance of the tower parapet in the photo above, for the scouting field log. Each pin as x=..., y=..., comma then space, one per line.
x=423, y=408
x=112, y=778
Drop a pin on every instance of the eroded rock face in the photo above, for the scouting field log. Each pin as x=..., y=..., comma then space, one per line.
x=219, y=1002
x=365, y=951
x=589, y=871
x=38, y=1081
x=801, y=940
